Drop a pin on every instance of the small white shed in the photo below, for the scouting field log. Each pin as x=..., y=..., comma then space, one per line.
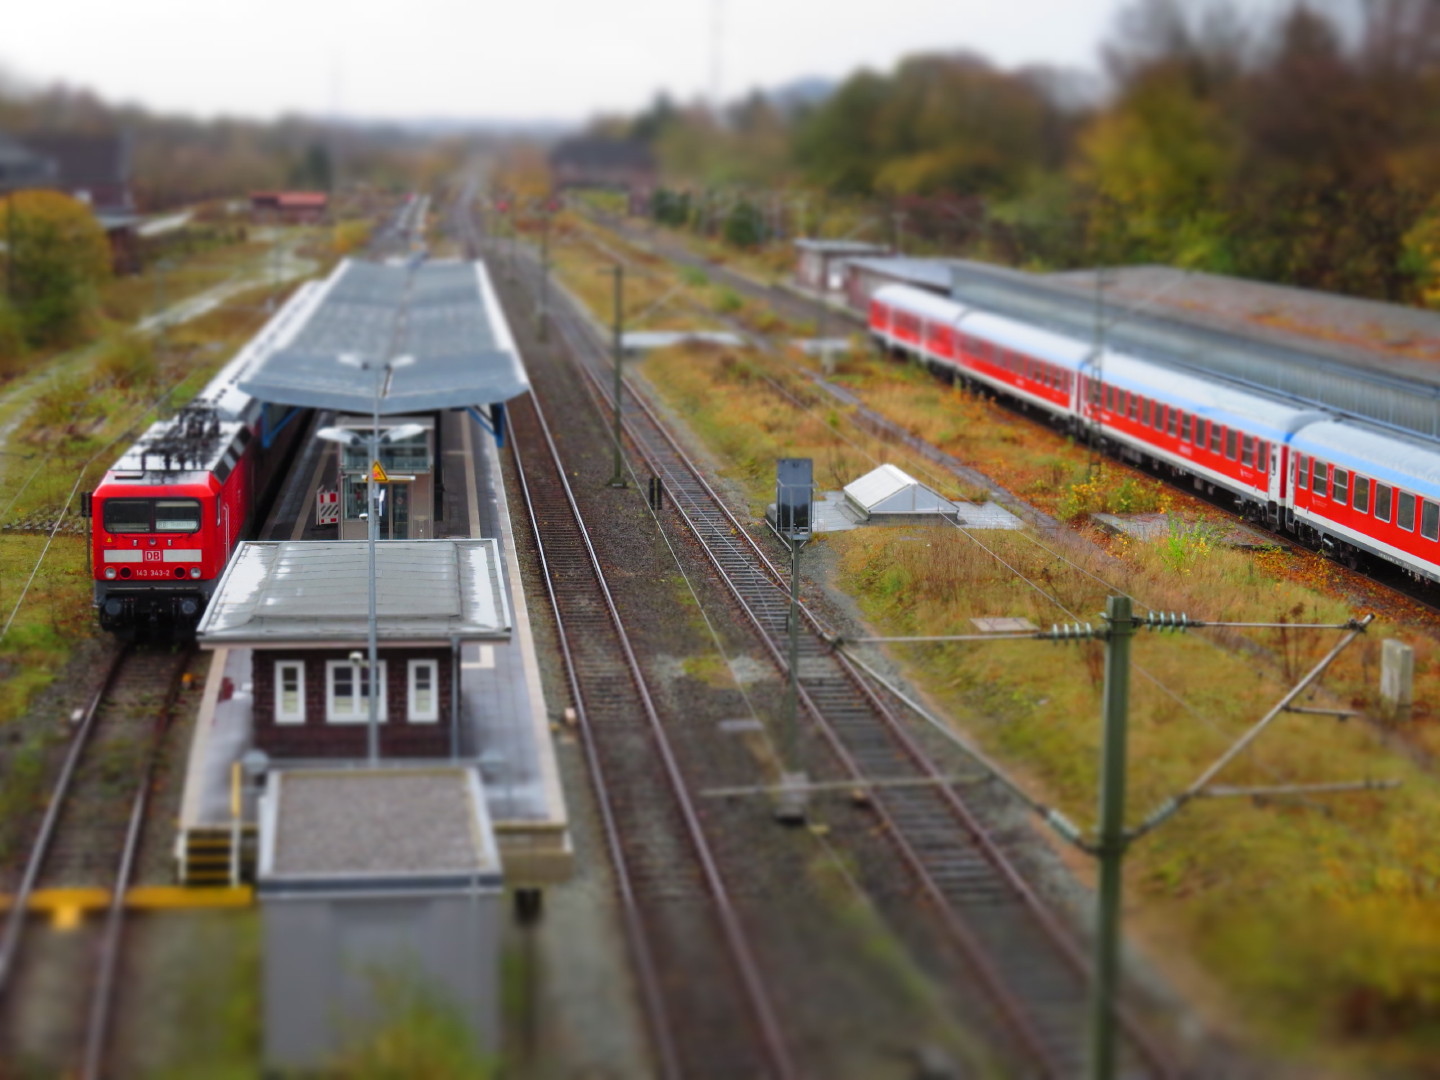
x=890, y=492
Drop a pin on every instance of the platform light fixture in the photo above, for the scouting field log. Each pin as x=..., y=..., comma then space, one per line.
x=384, y=375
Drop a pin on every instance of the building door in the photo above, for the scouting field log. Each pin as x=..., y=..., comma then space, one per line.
x=394, y=506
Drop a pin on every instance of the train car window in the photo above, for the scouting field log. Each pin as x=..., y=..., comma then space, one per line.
x=127, y=515
x=1322, y=481
x=1132, y=405
x=1429, y=520
x=1384, y=496
x=1262, y=457
x=1172, y=420
x=1200, y=433
x=1232, y=438
x=1301, y=470
x=177, y=515
x=289, y=692
x=1157, y=417
x=1339, y=486
x=1215, y=430
x=1362, y=493
x=1406, y=518
x=1247, y=451
x=1185, y=427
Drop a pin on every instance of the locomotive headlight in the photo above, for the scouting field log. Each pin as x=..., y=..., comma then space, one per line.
x=110, y=572
x=195, y=571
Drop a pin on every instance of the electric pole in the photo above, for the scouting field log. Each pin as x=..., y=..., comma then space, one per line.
x=618, y=479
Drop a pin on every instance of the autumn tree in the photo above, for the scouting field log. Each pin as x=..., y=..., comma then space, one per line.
x=56, y=256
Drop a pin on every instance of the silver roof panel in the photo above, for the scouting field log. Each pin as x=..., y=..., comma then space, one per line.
x=442, y=314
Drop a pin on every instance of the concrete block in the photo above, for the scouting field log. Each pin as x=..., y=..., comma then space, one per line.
x=1397, y=678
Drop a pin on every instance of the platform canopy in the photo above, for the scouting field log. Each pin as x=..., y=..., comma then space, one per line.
x=442, y=316
x=316, y=591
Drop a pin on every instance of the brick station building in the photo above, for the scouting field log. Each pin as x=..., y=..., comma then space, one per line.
x=301, y=609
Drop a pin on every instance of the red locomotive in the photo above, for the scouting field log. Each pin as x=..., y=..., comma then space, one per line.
x=168, y=515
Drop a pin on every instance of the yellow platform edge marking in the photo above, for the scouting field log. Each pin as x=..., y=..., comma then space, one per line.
x=66, y=905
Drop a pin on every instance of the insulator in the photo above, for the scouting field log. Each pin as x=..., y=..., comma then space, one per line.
x=1167, y=620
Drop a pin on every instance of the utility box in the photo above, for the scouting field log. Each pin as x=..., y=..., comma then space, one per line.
x=1397, y=679
x=380, y=893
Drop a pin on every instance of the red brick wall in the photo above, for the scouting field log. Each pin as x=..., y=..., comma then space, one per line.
x=317, y=738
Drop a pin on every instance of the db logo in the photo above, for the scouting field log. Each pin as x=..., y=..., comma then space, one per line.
x=152, y=556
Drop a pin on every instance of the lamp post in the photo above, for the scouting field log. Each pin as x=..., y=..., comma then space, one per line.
x=618, y=479
x=384, y=373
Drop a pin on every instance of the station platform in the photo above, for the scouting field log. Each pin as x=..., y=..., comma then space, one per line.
x=503, y=725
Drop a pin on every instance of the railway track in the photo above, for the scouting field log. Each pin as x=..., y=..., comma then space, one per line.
x=1033, y=975
x=89, y=838
x=683, y=931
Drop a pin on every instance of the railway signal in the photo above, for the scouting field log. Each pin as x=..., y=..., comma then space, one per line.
x=794, y=494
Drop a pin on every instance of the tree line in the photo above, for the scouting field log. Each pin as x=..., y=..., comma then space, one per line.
x=1302, y=148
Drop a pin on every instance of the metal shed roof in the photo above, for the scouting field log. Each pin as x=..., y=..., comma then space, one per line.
x=443, y=314
x=889, y=489
x=317, y=592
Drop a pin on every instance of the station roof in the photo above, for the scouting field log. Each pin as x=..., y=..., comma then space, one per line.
x=317, y=592
x=442, y=315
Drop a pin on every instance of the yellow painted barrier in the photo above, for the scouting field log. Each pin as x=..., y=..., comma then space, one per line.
x=67, y=907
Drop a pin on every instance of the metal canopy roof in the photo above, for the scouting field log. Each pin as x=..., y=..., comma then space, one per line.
x=317, y=592
x=443, y=314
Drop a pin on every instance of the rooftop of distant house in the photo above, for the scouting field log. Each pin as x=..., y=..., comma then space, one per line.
x=600, y=152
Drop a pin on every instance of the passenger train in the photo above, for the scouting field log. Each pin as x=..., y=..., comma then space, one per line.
x=1348, y=488
x=171, y=511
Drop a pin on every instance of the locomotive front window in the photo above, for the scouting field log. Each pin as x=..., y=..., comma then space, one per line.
x=177, y=515
x=127, y=515
x=1406, y=519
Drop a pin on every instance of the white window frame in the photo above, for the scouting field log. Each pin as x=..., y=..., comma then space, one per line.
x=281, y=715
x=414, y=715
x=362, y=713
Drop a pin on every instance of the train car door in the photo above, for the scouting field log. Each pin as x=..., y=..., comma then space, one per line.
x=1279, y=479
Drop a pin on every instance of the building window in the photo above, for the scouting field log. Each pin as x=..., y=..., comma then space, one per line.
x=1321, y=483
x=347, y=689
x=289, y=692
x=1406, y=519
x=424, y=692
x=1340, y=486
x=1383, y=496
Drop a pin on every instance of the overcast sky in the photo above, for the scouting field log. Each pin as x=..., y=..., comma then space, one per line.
x=522, y=59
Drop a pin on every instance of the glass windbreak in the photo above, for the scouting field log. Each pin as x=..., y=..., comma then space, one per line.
x=398, y=455
x=151, y=515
